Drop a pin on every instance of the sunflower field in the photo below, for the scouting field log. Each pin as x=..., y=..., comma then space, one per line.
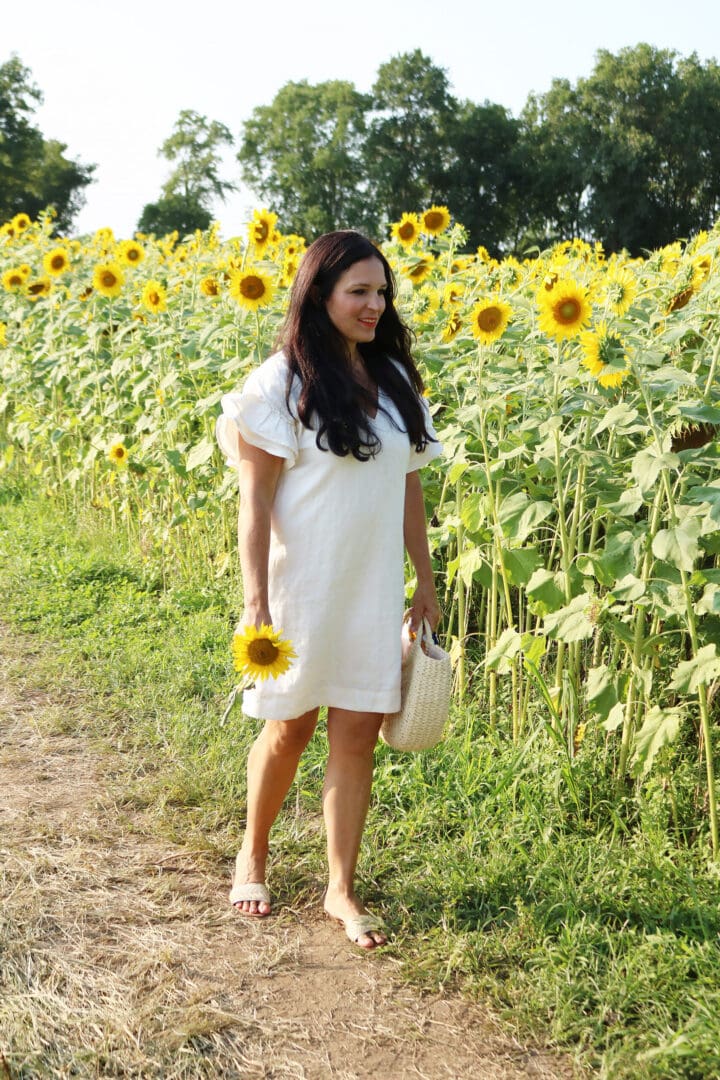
x=576, y=511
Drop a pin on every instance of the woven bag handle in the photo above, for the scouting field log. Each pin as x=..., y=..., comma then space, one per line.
x=426, y=631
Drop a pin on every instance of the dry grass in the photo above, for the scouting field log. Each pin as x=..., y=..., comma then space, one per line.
x=119, y=956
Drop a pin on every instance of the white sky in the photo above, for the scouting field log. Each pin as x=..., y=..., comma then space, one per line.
x=116, y=75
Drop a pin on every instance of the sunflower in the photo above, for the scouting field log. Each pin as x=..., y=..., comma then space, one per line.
x=488, y=320
x=108, y=279
x=56, y=261
x=261, y=653
x=564, y=309
x=20, y=223
x=669, y=257
x=130, y=253
x=604, y=355
x=406, y=230
x=682, y=294
x=261, y=230
x=289, y=270
x=118, y=454
x=702, y=265
x=154, y=296
x=427, y=301
x=419, y=269
x=293, y=245
x=39, y=287
x=209, y=286
x=435, y=220
x=452, y=327
x=452, y=294
x=511, y=271
x=251, y=288
x=619, y=290
x=13, y=279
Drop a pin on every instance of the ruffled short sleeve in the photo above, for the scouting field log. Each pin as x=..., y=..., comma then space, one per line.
x=432, y=449
x=260, y=413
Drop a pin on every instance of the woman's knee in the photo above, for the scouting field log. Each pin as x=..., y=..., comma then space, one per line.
x=353, y=733
x=291, y=736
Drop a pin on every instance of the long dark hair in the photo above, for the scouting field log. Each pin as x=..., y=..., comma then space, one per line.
x=317, y=353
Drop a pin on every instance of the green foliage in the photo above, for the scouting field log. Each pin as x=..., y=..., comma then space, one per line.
x=407, y=148
x=304, y=154
x=173, y=213
x=505, y=872
x=34, y=172
x=604, y=159
x=195, y=148
x=631, y=154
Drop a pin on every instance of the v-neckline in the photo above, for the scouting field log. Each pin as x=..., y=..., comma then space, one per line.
x=378, y=391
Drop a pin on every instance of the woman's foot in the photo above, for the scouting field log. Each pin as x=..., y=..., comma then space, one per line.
x=249, y=894
x=362, y=928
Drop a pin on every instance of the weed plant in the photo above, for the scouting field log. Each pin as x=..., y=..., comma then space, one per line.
x=512, y=873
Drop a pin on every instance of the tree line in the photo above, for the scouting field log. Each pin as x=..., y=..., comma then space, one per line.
x=629, y=156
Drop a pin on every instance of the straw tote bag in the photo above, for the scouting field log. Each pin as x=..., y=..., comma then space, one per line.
x=424, y=695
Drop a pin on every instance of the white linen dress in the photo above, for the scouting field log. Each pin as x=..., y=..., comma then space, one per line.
x=336, y=564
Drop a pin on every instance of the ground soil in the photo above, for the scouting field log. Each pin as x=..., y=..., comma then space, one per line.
x=121, y=956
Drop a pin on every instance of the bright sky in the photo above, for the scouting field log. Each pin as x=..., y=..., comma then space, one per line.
x=116, y=75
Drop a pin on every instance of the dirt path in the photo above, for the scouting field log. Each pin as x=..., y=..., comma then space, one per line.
x=120, y=957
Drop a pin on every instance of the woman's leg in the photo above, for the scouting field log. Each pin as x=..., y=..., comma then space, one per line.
x=271, y=767
x=346, y=796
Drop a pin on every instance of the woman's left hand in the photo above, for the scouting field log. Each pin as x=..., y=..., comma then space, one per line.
x=424, y=605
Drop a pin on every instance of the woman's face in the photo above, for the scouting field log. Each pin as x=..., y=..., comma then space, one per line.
x=357, y=301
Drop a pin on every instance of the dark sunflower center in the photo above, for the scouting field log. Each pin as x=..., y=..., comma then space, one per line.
x=108, y=279
x=263, y=652
x=406, y=231
x=433, y=220
x=58, y=261
x=489, y=319
x=681, y=299
x=133, y=255
x=252, y=287
x=567, y=311
x=262, y=231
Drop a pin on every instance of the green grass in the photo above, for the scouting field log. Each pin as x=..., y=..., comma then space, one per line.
x=588, y=922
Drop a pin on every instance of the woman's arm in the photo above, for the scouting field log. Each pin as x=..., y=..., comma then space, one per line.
x=424, y=601
x=259, y=473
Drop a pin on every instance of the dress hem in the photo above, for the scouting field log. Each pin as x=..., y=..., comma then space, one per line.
x=381, y=702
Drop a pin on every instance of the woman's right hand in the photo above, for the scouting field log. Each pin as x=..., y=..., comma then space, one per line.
x=255, y=616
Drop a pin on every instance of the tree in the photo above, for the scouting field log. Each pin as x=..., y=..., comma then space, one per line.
x=188, y=193
x=630, y=155
x=303, y=155
x=407, y=152
x=558, y=147
x=486, y=177
x=658, y=175
x=173, y=213
x=34, y=172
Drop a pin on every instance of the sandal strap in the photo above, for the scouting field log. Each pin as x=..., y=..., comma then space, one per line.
x=363, y=924
x=249, y=890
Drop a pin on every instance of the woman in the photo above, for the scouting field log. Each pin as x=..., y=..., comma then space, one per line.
x=327, y=436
